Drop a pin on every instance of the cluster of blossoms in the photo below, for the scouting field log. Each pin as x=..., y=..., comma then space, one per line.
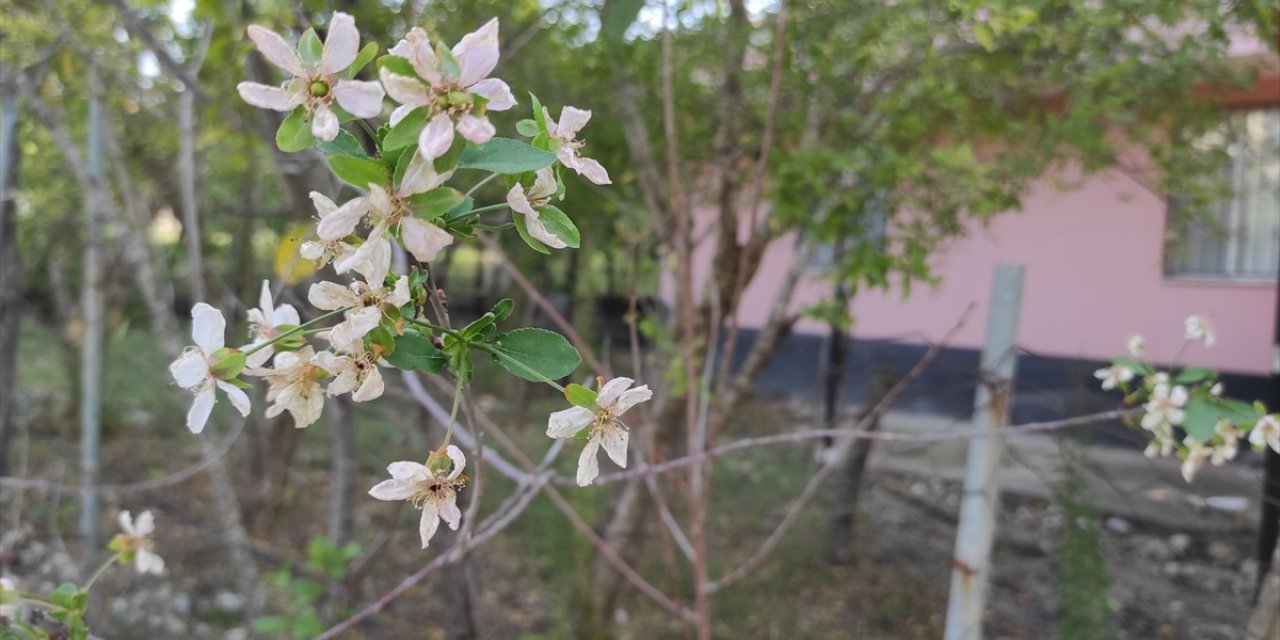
x=401, y=174
x=1189, y=402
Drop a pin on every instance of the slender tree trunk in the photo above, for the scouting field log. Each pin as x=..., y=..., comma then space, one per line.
x=845, y=509
x=342, y=471
x=10, y=268
x=91, y=313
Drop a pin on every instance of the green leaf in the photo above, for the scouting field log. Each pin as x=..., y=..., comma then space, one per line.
x=397, y=65
x=433, y=204
x=1237, y=411
x=306, y=588
x=523, y=232
x=535, y=354
x=480, y=329
x=414, y=352
x=361, y=172
x=468, y=203
x=400, y=159
x=506, y=156
x=1130, y=363
x=406, y=131
x=446, y=63
x=985, y=36
x=527, y=128
x=310, y=49
x=1192, y=374
x=270, y=624
x=366, y=54
x=558, y=223
x=539, y=114
x=580, y=396
x=503, y=309
x=294, y=134
x=343, y=145
x=1201, y=419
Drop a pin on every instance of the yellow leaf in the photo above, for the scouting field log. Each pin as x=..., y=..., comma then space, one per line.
x=289, y=265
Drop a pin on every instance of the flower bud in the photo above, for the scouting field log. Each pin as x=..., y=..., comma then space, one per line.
x=292, y=341
x=319, y=88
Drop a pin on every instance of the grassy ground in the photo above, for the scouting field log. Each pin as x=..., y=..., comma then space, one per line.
x=534, y=580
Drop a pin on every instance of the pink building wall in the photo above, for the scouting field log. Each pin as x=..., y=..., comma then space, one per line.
x=1094, y=274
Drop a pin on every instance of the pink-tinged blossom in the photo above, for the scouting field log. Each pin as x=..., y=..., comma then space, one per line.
x=364, y=301
x=529, y=201
x=315, y=85
x=1199, y=328
x=264, y=325
x=431, y=487
x=1135, y=345
x=452, y=82
x=607, y=430
x=572, y=120
x=194, y=369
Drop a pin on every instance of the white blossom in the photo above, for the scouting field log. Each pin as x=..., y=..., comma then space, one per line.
x=354, y=371
x=264, y=323
x=1197, y=453
x=432, y=487
x=1266, y=432
x=1165, y=406
x=572, y=120
x=8, y=602
x=529, y=201
x=607, y=431
x=315, y=85
x=1228, y=442
x=293, y=385
x=1198, y=328
x=1135, y=345
x=453, y=82
x=1114, y=375
x=194, y=369
x=136, y=539
x=365, y=301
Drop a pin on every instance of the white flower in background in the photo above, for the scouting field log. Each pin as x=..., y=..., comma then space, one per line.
x=453, y=82
x=355, y=371
x=1197, y=453
x=293, y=385
x=390, y=209
x=1216, y=390
x=1266, y=431
x=1198, y=328
x=572, y=120
x=1162, y=442
x=1135, y=345
x=528, y=201
x=8, y=601
x=264, y=324
x=1156, y=379
x=432, y=487
x=1229, y=442
x=196, y=369
x=136, y=540
x=315, y=85
x=1165, y=406
x=1113, y=375
x=607, y=431
x=365, y=301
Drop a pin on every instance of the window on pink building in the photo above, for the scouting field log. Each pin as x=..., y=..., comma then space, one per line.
x=1242, y=242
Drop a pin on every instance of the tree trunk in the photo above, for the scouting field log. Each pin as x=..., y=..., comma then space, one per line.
x=845, y=508
x=342, y=473
x=91, y=314
x=10, y=270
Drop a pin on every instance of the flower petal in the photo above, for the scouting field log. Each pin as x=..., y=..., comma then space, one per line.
x=572, y=120
x=592, y=170
x=126, y=523
x=400, y=112
x=359, y=322
x=612, y=390
x=200, y=409
x=146, y=524
x=429, y=523
x=518, y=201
x=631, y=398
x=266, y=97
x=614, y=441
x=371, y=388
x=342, y=222
x=330, y=295
x=496, y=92
x=207, y=328
x=275, y=49
x=423, y=239
x=265, y=304
x=566, y=423
x=436, y=138
x=588, y=466
x=324, y=206
x=359, y=98
x=392, y=490
x=420, y=176
x=148, y=562
x=477, y=53
x=190, y=369
x=450, y=513
x=237, y=396
x=324, y=123
x=476, y=129
x=405, y=470
x=534, y=225
x=459, y=460
x=285, y=314
x=341, y=45
x=409, y=92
